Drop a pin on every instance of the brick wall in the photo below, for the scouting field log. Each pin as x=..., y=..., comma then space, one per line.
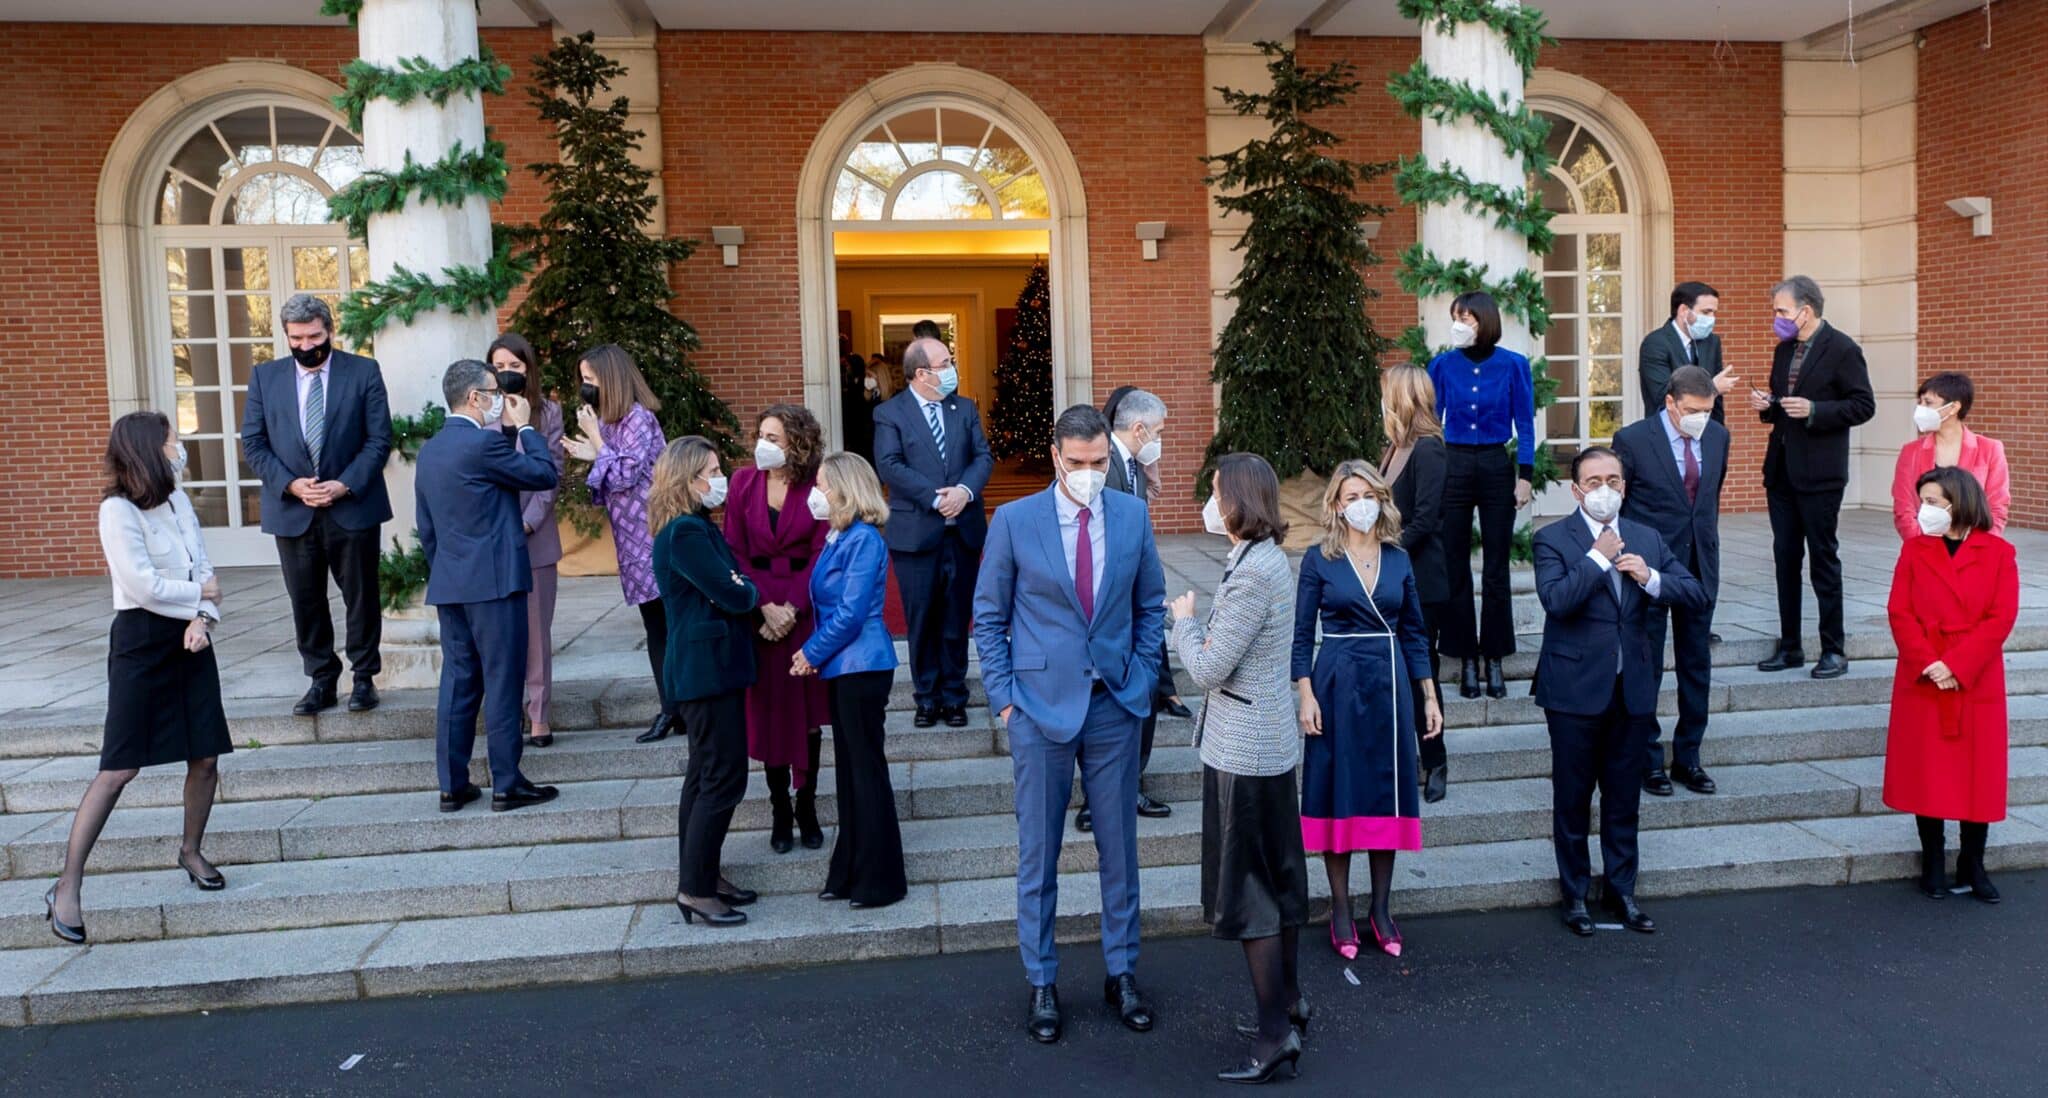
x=1980, y=112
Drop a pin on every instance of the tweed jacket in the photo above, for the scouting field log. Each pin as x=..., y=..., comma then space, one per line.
x=1240, y=658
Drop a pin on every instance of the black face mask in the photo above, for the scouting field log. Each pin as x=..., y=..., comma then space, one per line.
x=589, y=393
x=512, y=381
x=312, y=357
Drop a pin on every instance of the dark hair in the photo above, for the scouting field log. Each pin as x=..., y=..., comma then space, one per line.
x=1588, y=454
x=1966, y=504
x=463, y=377
x=1688, y=294
x=1116, y=397
x=926, y=329
x=1691, y=381
x=804, y=438
x=1950, y=385
x=1487, y=315
x=1081, y=423
x=137, y=469
x=1254, y=494
x=523, y=351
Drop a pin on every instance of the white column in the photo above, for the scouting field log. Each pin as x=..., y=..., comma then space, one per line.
x=1477, y=55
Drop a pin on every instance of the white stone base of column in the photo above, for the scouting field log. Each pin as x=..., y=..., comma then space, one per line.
x=411, y=650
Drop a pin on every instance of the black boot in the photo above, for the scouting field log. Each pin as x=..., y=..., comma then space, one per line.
x=779, y=837
x=1933, y=881
x=1970, y=863
x=807, y=801
x=1496, y=680
x=1468, y=678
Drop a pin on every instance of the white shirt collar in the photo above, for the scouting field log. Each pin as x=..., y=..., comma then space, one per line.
x=1684, y=337
x=1596, y=527
x=921, y=401
x=1122, y=451
x=1068, y=510
x=1671, y=431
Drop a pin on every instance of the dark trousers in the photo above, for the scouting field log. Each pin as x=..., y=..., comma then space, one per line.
x=350, y=556
x=1803, y=524
x=655, y=621
x=1692, y=646
x=714, y=784
x=1479, y=479
x=1604, y=752
x=1431, y=751
x=938, y=604
x=867, y=856
x=483, y=665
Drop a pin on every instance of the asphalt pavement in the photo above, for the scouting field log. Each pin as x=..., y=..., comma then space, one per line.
x=1867, y=990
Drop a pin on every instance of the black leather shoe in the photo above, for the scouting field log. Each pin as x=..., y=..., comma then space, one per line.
x=1152, y=808
x=1297, y=1016
x=1657, y=783
x=363, y=698
x=1695, y=779
x=1496, y=680
x=830, y=897
x=321, y=696
x=1784, y=659
x=1255, y=1072
x=713, y=918
x=522, y=795
x=737, y=897
x=1043, y=1021
x=1971, y=872
x=1631, y=916
x=1121, y=993
x=1084, y=820
x=1576, y=920
x=1832, y=665
x=1468, y=678
x=1178, y=709
x=1435, y=783
x=927, y=716
x=955, y=716
x=1713, y=638
x=659, y=730
x=453, y=802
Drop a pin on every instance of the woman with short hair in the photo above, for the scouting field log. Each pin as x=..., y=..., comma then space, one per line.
x=1939, y=409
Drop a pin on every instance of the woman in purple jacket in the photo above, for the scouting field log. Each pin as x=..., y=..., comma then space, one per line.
x=618, y=408
x=512, y=358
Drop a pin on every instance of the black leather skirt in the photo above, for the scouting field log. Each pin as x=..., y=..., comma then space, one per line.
x=1254, y=874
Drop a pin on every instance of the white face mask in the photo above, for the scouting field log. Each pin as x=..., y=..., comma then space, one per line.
x=1695, y=425
x=870, y=384
x=1362, y=513
x=1084, y=485
x=1701, y=326
x=178, y=460
x=1926, y=419
x=767, y=455
x=821, y=508
x=1148, y=454
x=1934, y=519
x=715, y=495
x=1603, y=503
x=1463, y=335
x=1212, y=518
x=496, y=410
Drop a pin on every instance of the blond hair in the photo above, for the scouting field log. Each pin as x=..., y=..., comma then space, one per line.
x=1411, y=405
x=1336, y=531
x=674, y=492
x=853, y=480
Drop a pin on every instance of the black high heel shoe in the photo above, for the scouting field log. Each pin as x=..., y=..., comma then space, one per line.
x=1297, y=1016
x=1468, y=678
x=736, y=896
x=1496, y=680
x=206, y=884
x=714, y=918
x=73, y=934
x=1254, y=1072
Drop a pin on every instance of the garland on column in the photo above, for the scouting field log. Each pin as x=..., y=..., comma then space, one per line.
x=1424, y=94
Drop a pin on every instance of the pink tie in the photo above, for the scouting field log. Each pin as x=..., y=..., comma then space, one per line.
x=1084, y=570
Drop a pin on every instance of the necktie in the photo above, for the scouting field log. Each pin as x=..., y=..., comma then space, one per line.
x=931, y=416
x=1613, y=574
x=1692, y=474
x=315, y=426
x=1692, y=352
x=1084, y=569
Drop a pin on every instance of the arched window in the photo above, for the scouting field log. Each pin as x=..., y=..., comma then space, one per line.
x=1591, y=287
x=240, y=224
x=941, y=164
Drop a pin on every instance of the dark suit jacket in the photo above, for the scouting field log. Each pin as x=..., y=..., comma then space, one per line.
x=1656, y=494
x=1584, y=625
x=466, y=486
x=1126, y=476
x=907, y=459
x=356, y=442
x=1663, y=353
x=1812, y=454
x=710, y=605
x=1419, y=496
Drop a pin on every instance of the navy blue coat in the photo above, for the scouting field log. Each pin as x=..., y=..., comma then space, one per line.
x=356, y=442
x=466, y=489
x=710, y=605
x=1584, y=626
x=907, y=459
x=849, y=584
x=1691, y=529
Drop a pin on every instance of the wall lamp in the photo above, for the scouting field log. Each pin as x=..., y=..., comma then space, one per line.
x=729, y=237
x=1978, y=210
x=1150, y=233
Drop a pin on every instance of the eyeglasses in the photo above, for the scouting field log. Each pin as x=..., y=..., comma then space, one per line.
x=1591, y=483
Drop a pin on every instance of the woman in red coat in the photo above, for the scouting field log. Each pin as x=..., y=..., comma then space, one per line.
x=1954, y=599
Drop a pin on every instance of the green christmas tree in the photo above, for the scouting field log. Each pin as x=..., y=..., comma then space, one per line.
x=602, y=278
x=1299, y=360
x=1020, y=420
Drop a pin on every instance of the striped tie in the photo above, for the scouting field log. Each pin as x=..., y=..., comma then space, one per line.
x=315, y=425
x=931, y=415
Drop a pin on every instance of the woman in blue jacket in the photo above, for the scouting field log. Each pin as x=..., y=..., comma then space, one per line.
x=852, y=650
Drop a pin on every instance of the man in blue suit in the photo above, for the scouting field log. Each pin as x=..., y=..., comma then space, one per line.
x=1597, y=574
x=930, y=451
x=316, y=429
x=1068, y=613
x=1675, y=462
x=467, y=482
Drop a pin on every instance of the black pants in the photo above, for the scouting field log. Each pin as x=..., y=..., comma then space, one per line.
x=1603, y=751
x=1431, y=751
x=938, y=604
x=655, y=620
x=714, y=784
x=867, y=857
x=1803, y=523
x=350, y=556
x=1481, y=479
x=1692, y=646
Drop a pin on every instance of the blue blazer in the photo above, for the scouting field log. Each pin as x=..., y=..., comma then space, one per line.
x=907, y=459
x=849, y=584
x=466, y=486
x=1584, y=626
x=357, y=440
x=1036, y=651
x=1656, y=493
x=711, y=609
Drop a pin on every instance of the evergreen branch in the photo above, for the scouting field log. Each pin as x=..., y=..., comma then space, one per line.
x=402, y=573
x=457, y=175
x=1518, y=210
x=1423, y=94
x=407, y=293
x=1524, y=28
x=409, y=432
x=417, y=77
x=351, y=8
x=1521, y=295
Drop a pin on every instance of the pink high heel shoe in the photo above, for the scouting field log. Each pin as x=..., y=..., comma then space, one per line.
x=1390, y=944
x=1346, y=948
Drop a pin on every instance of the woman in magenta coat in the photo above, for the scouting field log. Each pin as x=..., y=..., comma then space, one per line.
x=1944, y=402
x=775, y=540
x=1954, y=599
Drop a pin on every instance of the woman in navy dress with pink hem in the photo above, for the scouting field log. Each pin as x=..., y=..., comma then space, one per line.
x=1359, y=776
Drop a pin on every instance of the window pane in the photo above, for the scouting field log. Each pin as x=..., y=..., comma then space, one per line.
x=241, y=408
x=1557, y=194
x=203, y=159
x=243, y=359
x=252, y=506
x=1602, y=195
x=247, y=132
x=1561, y=293
x=358, y=266
x=246, y=268
x=249, y=316
x=1603, y=377
x=1561, y=420
x=183, y=203
x=1566, y=373
x=316, y=268
x=189, y=268
x=192, y=317
x=1603, y=251
x=1002, y=159
x=341, y=163
x=875, y=157
x=206, y=459
x=195, y=364
x=278, y=199
x=917, y=132
x=1561, y=131
x=1561, y=455
x=1564, y=254
x=299, y=134
x=1025, y=197
x=209, y=504
x=1603, y=335
x=963, y=133
x=855, y=199
x=205, y=410
x=1563, y=337
x=941, y=196
x=1606, y=419
x=1603, y=294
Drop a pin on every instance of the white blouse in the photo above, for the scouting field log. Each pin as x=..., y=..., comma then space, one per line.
x=156, y=557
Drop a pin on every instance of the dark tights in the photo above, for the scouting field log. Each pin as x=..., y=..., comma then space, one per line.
x=202, y=777
x=1276, y=983
x=1338, y=866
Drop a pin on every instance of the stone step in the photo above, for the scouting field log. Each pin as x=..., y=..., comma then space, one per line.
x=49, y=985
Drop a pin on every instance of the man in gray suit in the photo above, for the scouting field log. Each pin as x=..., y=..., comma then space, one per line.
x=1689, y=340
